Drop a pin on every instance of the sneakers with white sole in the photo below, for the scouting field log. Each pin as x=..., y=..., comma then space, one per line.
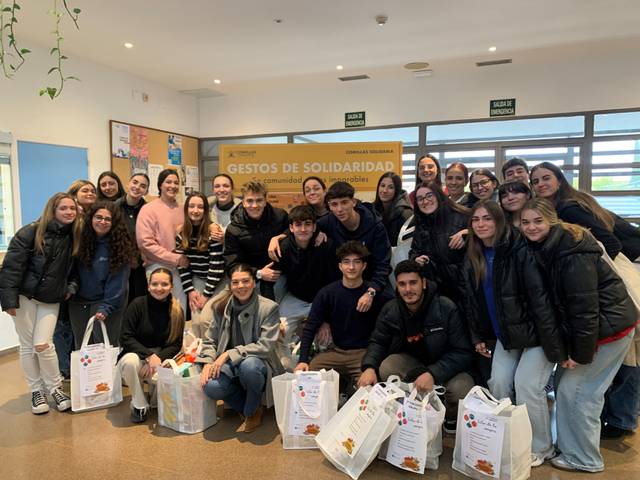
x=39, y=403
x=63, y=402
x=537, y=460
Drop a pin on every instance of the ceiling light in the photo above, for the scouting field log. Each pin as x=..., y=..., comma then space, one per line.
x=492, y=49
x=339, y=67
x=128, y=45
x=381, y=20
x=217, y=81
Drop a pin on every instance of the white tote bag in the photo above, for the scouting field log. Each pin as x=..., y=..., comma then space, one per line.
x=352, y=438
x=416, y=443
x=493, y=438
x=630, y=275
x=304, y=403
x=182, y=405
x=95, y=378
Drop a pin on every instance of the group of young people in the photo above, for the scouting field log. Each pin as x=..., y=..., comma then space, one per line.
x=500, y=286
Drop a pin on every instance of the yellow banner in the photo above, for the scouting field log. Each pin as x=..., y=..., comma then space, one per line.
x=283, y=167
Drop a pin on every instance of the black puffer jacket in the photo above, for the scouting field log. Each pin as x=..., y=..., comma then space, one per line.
x=629, y=237
x=431, y=238
x=524, y=307
x=591, y=300
x=246, y=240
x=446, y=349
x=394, y=218
x=29, y=273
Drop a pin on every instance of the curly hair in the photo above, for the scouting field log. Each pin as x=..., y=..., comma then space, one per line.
x=121, y=247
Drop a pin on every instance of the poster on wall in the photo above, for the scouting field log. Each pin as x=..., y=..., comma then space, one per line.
x=175, y=149
x=283, y=167
x=192, y=180
x=153, y=172
x=120, y=140
x=139, y=150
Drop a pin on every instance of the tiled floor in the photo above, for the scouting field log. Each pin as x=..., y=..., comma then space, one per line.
x=105, y=445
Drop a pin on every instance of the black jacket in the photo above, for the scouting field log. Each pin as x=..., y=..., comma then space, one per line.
x=309, y=269
x=629, y=237
x=446, y=349
x=431, y=238
x=29, y=273
x=591, y=300
x=571, y=212
x=130, y=214
x=246, y=240
x=372, y=234
x=524, y=308
x=399, y=211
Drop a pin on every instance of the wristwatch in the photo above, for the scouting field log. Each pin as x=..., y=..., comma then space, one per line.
x=259, y=274
x=371, y=292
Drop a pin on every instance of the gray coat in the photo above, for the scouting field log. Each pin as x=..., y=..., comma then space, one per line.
x=260, y=322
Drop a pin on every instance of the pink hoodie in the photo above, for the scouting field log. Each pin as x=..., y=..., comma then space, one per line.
x=156, y=232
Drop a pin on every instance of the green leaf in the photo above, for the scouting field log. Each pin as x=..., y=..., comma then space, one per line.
x=24, y=50
x=72, y=78
x=76, y=11
x=12, y=67
x=42, y=91
x=6, y=9
x=14, y=20
x=53, y=50
x=51, y=70
x=62, y=57
x=16, y=6
x=52, y=92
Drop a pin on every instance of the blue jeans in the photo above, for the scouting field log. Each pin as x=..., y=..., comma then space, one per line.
x=527, y=372
x=63, y=340
x=579, y=401
x=240, y=386
x=622, y=400
x=296, y=312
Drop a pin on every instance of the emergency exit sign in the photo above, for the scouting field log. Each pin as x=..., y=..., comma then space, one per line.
x=502, y=108
x=354, y=119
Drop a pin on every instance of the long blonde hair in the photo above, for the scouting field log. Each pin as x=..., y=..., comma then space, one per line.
x=475, y=245
x=48, y=216
x=176, y=315
x=546, y=209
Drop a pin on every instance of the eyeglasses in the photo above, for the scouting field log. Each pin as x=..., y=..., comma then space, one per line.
x=425, y=197
x=100, y=218
x=356, y=262
x=481, y=184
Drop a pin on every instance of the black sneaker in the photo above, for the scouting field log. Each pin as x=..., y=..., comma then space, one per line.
x=63, y=402
x=449, y=426
x=39, y=403
x=609, y=431
x=138, y=415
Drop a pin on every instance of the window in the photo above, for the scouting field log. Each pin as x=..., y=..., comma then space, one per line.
x=407, y=135
x=506, y=130
x=6, y=192
x=623, y=123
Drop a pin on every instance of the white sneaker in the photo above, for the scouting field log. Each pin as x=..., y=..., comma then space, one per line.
x=63, y=402
x=537, y=460
x=39, y=403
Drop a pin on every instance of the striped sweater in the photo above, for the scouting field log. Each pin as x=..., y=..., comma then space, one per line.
x=207, y=265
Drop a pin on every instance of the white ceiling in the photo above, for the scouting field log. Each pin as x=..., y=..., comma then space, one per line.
x=185, y=44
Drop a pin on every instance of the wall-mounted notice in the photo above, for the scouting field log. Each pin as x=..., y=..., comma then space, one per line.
x=192, y=180
x=175, y=149
x=354, y=119
x=139, y=150
x=502, y=108
x=120, y=140
x=154, y=171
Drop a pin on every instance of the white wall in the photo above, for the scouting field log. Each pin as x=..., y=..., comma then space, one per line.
x=603, y=75
x=80, y=117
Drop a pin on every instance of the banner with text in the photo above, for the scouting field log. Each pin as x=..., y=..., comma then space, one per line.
x=283, y=167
